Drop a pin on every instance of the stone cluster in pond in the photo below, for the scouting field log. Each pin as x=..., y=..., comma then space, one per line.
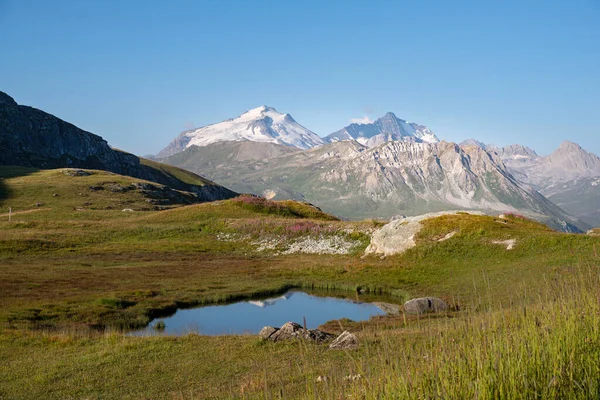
x=293, y=330
x=425, y=304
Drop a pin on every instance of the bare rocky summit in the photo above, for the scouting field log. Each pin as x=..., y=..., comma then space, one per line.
x=385, y=129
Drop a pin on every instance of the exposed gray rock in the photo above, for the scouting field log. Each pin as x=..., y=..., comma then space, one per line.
x=399, y=235
x=425, y=304
x=293, y=330
x=287, y=331
x=118, y=188
x=346, y=340
x=75, y=172
x=267, y=331
x=388, y=308
x=318, y=336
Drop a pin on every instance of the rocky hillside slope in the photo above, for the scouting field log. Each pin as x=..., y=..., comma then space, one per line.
x=33, y=138
x=569, y=177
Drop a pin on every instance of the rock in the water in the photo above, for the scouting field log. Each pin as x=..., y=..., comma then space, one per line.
x=346, y=340
x=293, y=330
x=425, y=304
x=267, y=331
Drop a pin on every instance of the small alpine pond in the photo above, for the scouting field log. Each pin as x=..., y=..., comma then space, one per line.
x=249, y=317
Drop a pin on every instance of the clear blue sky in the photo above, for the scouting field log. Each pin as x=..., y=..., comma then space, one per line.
x=139, y=72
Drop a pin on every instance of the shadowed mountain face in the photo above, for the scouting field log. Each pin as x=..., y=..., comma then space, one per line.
x=32, y=138
x=350, y=180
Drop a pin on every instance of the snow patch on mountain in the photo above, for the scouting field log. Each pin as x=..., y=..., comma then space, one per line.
x=261, y=124
x=384, y=129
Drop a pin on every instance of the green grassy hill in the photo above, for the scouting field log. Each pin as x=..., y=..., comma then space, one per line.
x=35, y=139
x=57, y=193
x=77, y=272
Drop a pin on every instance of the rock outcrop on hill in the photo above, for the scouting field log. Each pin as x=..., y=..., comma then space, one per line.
x=399, y=235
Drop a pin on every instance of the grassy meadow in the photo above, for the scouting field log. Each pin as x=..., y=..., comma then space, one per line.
x=77, y=272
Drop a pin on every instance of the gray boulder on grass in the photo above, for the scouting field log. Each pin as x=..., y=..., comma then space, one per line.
x=293, y=330
x=346, y=340
x=425, y=304
x=267, y=331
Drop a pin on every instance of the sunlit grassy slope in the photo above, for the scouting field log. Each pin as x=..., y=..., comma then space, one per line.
x=183, y=175
x=525, y=322
x=61, y=191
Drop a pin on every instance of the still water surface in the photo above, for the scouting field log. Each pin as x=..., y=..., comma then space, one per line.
x=251, y=316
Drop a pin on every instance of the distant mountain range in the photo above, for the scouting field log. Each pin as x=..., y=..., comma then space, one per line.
x=267, y=125
x=376, y=169
x=389, y=166
x=569, y=177
x=350, y=180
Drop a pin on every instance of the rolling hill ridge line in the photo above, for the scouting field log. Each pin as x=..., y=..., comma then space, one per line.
x=33, y=138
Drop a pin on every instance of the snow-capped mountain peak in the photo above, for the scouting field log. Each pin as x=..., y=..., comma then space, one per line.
x=261, y=124
x=384, y=129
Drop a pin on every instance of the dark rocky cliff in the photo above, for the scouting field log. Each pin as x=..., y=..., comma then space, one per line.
x=33, y=138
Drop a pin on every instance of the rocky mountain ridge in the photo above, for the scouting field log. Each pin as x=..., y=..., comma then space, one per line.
x=385, y=129
x=266, y=125
x=568, y=176
x=353, y=181
x=33, y=138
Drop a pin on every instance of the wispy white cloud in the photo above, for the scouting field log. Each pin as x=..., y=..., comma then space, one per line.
x=363, y=120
